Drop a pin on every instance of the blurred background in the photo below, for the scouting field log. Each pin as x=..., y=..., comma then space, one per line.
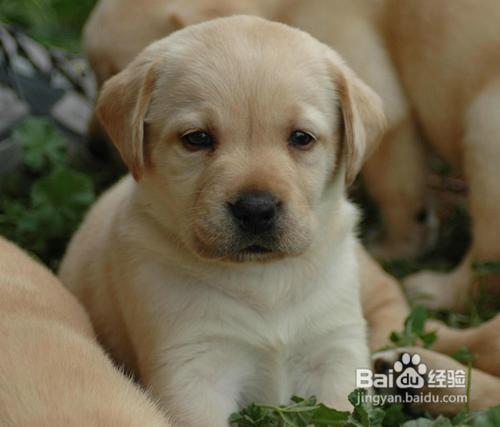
x=48, y=177
x=55, y=23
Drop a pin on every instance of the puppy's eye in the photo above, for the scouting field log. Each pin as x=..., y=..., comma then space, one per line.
x=301, y=139
x=198, y=139
x=422, y=216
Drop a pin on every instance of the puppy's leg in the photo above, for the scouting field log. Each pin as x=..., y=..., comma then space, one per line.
x=481, y=157
x=384, y=304
x=200, y=386
x=438, y=290
x=482, y=341
x=485, y=388
x=385, y=308
x=333, y=379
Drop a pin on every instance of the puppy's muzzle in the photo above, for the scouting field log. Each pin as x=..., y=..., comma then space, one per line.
x=255, y=213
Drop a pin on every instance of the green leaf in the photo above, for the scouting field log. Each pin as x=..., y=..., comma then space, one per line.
x=425, y=422
x=289, y=420
x=59, y=200
x=487, y=418
x=486, y=267
x=461, y=417
x=364, y=414
x=327, y=417
x=415, y=322
x=428, y=338
x=414, y=330
x=64, y=192
x=463, y=355
x=56, y=205
x=395, y=416
x=43, y=145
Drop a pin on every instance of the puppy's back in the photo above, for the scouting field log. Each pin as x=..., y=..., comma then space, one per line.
x=52, y=372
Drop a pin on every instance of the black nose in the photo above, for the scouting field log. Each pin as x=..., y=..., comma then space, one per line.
x=255, y=212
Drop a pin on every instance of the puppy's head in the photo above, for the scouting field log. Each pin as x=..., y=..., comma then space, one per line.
x=235, y=129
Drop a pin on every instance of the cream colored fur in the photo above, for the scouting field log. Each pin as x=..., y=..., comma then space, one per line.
x=360, y=30
x=52, y=371
x=171, y=293
x=446, y=56
x=117, y=30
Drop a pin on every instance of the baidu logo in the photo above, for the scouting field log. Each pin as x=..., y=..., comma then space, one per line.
x=411, y=372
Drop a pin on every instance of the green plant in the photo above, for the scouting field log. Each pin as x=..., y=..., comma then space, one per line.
x=53, y=22
x=43, y=203
x=308, y=412
x=413, y=332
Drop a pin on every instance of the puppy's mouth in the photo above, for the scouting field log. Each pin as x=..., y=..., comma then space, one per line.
x=255, y=253
x=256, y=249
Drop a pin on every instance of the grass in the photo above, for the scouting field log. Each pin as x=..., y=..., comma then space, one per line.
x=44, y=201
x=56, y=23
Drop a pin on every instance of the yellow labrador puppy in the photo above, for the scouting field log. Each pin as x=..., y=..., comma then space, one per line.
x=447, y=56
x=117, y=30
x=52, y=372
x=224, y=270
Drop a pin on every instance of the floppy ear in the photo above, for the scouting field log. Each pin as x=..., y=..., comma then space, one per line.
x=363, y=117
x=122, y=107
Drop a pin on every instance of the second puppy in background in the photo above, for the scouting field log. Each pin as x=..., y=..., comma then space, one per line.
x=117, y=30
x=226, y=271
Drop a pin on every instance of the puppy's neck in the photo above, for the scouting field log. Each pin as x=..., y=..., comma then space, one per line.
x=263, y=284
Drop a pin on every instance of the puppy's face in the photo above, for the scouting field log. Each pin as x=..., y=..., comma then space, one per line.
x=247, y=123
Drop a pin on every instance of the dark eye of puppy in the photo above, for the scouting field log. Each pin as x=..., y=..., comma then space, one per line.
x=301, y=140
x=198, y=139
x=422, y=216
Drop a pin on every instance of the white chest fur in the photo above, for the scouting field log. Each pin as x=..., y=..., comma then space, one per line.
x=251, y=333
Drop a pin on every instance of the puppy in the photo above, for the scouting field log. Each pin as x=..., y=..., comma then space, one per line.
x=117, y=30
x=446, y=54
x=52, y=372
x=224, y=270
